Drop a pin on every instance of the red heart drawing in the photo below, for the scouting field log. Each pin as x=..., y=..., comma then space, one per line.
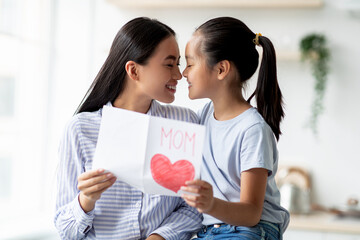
x=171, y=176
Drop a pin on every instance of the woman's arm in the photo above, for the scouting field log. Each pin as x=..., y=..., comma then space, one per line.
x=247, y=212
x=74, y=216
x=70, y=219
x=181, y=223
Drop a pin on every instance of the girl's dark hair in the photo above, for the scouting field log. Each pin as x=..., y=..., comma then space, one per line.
x=135, y=41
x=227, y=38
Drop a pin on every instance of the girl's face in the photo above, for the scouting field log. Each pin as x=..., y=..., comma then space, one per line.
x=201, y=79
x=158, y=78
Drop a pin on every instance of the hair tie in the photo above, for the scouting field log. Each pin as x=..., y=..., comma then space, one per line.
x=256, y=39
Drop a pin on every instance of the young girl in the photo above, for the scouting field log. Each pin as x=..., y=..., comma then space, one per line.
x=237, y=194
x=142, y=66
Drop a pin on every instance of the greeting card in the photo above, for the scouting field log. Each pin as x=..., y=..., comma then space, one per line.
x=155, y=155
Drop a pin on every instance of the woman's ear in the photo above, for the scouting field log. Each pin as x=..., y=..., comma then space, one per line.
x=223, y=69
x=131, y=68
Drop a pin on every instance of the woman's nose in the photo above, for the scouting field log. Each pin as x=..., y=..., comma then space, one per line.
x=177, y=74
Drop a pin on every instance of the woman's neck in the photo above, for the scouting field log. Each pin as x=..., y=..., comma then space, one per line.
x=229, y=106
x=131, y=101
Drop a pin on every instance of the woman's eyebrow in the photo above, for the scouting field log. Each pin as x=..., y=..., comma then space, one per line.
x=172, y=57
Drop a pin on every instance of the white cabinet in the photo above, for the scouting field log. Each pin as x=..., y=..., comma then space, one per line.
x=322, y=226
x=301, y=235
x=315, y=235
x=338, y=236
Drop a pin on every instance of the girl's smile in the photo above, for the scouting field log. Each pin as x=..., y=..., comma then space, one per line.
x=189, y=84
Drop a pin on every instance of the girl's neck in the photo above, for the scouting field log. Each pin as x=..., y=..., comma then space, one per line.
x=229, y=106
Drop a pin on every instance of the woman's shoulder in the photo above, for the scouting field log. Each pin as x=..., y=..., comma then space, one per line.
x=206, y=111
x=83, y=121
x=175, y=112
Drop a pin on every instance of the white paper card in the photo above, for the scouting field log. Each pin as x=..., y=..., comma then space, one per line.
x=155, y=155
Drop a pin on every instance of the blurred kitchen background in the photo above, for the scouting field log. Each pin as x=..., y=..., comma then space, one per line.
x=51, y=50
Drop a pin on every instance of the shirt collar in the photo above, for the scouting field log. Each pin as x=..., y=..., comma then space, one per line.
x=152, y=110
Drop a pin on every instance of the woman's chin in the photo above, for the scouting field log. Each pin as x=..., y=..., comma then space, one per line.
x=166, y=100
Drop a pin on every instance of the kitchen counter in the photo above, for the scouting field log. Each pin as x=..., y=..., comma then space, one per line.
x=325, y=222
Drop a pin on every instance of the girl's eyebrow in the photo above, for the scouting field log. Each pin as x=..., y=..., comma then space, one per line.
x=188, y=57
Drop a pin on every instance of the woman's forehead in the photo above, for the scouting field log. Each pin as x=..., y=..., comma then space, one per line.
x=168, y=49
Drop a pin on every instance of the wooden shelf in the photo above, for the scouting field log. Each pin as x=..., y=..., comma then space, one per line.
x=217, y=3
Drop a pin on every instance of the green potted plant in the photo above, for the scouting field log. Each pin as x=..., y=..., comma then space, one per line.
x=314, y=49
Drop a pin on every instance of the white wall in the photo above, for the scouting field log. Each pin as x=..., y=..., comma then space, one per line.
x=331, y=157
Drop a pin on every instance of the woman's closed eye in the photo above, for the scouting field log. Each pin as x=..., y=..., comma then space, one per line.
x=171, y=65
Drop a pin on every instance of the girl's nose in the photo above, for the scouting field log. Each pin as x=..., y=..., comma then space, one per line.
x=184, y=73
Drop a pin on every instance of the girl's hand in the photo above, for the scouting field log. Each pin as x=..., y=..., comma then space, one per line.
x=91, y=185
x=202, y=197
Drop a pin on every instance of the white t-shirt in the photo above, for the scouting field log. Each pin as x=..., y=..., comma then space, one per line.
x=237, y=145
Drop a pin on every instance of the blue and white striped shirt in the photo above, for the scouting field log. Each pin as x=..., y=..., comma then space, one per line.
x=122, y=212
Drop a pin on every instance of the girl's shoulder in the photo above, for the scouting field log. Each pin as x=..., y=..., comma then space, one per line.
x=254, y=124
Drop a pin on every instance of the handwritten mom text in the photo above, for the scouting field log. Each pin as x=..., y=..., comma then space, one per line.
x=178, y=139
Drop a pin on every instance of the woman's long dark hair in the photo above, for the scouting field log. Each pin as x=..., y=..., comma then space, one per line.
x=227, y=38
x=135, y=41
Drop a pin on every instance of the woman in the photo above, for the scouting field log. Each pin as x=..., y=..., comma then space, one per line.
x=142, y=67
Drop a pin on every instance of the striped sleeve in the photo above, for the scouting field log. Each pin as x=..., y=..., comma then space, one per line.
x=70, y=220
x=181, y=223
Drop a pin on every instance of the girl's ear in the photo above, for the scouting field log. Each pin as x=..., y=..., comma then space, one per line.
x=223, y=69
x=131, y=68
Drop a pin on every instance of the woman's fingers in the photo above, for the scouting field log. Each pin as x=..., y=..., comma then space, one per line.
x=99, y=187
x=85, y=182
x=91, y=174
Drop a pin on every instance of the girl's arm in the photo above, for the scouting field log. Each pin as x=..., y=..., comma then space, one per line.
x=247, y=212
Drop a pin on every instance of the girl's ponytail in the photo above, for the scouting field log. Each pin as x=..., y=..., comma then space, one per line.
x=267, y=93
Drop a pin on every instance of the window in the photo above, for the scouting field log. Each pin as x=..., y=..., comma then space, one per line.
x=23, y=97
